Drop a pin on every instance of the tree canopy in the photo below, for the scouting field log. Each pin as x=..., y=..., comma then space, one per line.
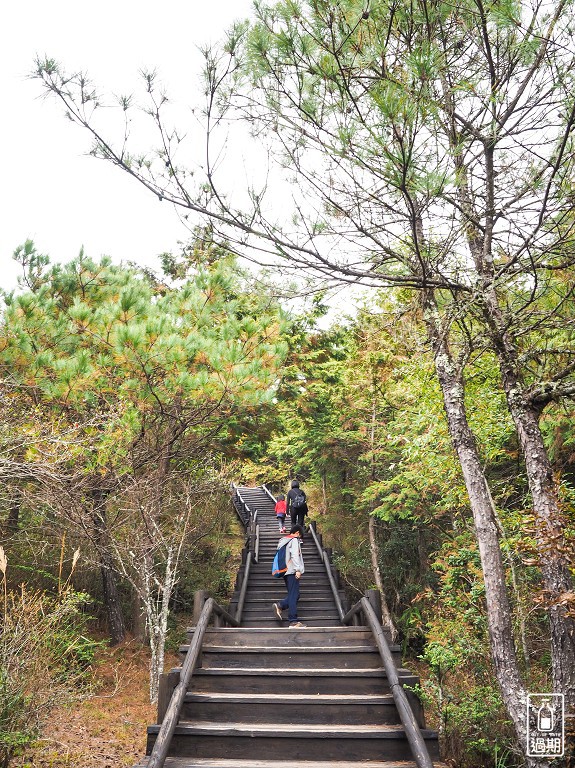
x=429, y=151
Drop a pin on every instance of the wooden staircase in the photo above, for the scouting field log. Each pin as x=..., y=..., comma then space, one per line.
x=316, y=606
x=265, y=696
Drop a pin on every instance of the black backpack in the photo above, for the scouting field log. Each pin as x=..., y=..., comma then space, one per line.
x=298, y=500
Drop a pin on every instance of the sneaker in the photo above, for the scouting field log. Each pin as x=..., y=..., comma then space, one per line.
x=277, y=611
x=297, y=625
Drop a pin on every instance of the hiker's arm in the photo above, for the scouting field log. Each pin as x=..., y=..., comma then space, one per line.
x=297, y=559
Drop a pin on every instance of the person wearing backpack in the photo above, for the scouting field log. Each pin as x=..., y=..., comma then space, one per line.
x=296, y=504
x=294, y=571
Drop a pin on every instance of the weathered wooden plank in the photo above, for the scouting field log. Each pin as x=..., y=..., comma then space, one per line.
x=168, y=681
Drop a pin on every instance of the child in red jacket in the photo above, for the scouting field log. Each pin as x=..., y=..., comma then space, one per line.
x=280, y=509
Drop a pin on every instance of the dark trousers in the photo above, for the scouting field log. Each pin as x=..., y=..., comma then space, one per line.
x=290, y=602
x=297, y=516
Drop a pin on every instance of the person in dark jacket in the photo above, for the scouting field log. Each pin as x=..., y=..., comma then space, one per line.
x=296, y=504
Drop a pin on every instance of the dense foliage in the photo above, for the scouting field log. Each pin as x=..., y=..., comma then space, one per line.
x=361, y=419
x=128, y=408
x=121, y=393
x=430, y=146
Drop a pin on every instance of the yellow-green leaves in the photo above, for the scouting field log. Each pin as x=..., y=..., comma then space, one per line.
x=94, y=344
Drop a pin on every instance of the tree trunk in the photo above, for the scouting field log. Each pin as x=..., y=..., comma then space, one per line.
x=373, y=545
x=138, y=616
x=13, y=519
x=550, y=530
x=116, y=626
x=157, y=613
x=496, y=597
x=374, y=552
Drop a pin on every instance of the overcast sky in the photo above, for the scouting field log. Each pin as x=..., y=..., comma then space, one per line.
x=50, y=191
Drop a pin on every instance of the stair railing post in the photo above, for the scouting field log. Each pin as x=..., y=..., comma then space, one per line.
x=313, y=531
x=374, y=597
x=168, y=682
x=200, y=597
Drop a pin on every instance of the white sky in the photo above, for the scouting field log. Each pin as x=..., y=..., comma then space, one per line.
x=50, y=191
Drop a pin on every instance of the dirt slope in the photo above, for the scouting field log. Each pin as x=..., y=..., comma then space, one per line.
x=108, y=729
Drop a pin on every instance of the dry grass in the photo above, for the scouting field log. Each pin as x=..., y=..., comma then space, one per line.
x=108, y=729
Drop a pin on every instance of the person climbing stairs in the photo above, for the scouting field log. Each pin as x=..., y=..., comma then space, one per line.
x=263, y=696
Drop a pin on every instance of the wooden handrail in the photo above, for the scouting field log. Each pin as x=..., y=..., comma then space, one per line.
x=172, y=715
x=332, y=584
x=257, y=547
x=353, y=611
x=408, y=720
x=244, y=506
x=227, y=617
x=325, y=559
x=243, y=590
x=316, y=540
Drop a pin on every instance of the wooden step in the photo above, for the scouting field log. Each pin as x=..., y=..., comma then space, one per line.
x=301, y=742
x=270, y=546
x=291, y=708
x=309, y=581
x=276, y=637
x=308, y=584
x=206, y=762
x=269, y=593
x=310, y=610
x=309, y=621
x=306, y=598
x=305, y=681
x=263, y=568
x=342, y=657
x=270, y=586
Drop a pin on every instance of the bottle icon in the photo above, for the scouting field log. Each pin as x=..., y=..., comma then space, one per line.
x=545, y=717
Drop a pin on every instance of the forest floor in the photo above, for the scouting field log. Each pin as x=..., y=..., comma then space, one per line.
x=108, y=728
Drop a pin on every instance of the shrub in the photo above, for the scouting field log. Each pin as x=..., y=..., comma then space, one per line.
x=45, y=659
